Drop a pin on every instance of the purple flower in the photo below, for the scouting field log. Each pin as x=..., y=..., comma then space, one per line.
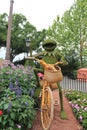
x=80, y=118
x=76, y=106
x=19, y=91
x=20, y=66
x=26, y=103
x=11, y=86
x=13, y=66
x=72, y=105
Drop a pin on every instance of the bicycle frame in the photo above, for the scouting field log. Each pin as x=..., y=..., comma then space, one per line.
x=43, y=89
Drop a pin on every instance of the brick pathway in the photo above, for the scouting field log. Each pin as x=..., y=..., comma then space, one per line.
x=58, y=124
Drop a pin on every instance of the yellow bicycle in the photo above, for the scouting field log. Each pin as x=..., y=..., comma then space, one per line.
x=52, y=74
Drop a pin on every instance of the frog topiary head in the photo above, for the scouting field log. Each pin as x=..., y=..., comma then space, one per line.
x=49, y=45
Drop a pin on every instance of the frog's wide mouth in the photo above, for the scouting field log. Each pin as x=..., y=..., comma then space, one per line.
x=49, y=46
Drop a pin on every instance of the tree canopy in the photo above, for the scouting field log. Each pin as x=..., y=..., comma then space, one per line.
x=70, y=31
x=21, y=29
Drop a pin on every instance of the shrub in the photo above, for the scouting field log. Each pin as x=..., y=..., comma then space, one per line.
x=17, y=86
x=17, y=109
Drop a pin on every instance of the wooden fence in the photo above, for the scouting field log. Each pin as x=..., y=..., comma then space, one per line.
x=74, y=84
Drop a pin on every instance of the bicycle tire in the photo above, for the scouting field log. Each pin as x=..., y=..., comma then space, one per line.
x=47, y=112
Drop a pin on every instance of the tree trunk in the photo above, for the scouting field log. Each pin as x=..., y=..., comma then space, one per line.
x=9, y=32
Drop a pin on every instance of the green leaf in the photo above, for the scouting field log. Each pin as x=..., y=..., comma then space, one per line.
x=13, y=115
x=1, y=119
x=6, y=106
x=5, y=117
x=4, y=122
x=29, y=125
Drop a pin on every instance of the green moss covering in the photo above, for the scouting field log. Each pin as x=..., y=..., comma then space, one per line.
x=51, y=56
x=63, y=115
x=50, y=60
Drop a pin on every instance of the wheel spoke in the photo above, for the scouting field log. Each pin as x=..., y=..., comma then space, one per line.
x=47, y=109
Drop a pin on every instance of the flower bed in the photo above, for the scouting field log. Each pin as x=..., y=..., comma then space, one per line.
x=78, y=102
x=17, y=86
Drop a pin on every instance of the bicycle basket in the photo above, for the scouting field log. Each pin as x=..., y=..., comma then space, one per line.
x=53, y=76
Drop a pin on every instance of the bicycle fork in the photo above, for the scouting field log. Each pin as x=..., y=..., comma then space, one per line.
x=43, y=91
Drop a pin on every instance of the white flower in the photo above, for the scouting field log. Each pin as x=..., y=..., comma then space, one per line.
x=78, y=99
x=19, y=126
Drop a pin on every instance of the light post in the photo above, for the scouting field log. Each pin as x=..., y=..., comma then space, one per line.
x=27, y=45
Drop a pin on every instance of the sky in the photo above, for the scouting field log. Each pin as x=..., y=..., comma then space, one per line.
x=40, y=13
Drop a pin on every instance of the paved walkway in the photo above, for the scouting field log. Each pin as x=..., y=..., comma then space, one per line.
x=58, y=124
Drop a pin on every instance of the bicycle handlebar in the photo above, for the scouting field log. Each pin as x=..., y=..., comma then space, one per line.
x=46, y=65
x=33, y=58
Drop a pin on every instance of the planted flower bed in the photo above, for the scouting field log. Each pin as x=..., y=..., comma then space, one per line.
x=78, y=102
x=17, y=87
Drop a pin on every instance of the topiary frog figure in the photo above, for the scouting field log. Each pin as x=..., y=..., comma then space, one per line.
x=51, y=56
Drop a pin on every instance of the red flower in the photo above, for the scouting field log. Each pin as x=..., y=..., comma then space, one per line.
x=1, y=112
x=40, y=75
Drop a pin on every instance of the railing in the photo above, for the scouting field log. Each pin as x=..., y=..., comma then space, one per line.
x=74, y=84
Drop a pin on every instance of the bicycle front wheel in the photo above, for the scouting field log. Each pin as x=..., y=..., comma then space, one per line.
x=47, y=109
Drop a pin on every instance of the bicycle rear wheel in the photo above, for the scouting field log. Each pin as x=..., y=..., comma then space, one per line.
x=47, y=110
